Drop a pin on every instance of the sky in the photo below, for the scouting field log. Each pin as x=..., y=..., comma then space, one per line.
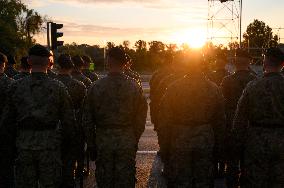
x=171, y=21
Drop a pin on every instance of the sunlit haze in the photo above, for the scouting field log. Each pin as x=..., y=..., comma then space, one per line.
x=178, y=21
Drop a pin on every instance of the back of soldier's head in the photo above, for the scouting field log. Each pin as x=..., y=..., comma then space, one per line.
x=221, y=59
x=39, y=56
x=242, y=57
x=117, y=57
x=87, y=60
x=78, y=61
x=274, y=57
x=65, y=62
x=25, y=64
x=191, y=60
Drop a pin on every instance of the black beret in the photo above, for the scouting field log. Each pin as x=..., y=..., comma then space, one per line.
x=78, y=61
x=242, y=53
x=3, y=58
x=11, y=60
x=39, y=50
x=118, y=54
x=87, y=59
x=65, y=61
x=275, y=53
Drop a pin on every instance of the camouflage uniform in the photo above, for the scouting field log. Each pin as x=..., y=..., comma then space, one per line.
x=6, y=153
x=77, y=91
x=39, y=117
x=192, y=121
x=82, y=78
x=10, y=71
x=91, y=75
x=232, y=87
x=21, y=75
x=51, y=74
x=134, y=75
x=114, y=119
x=259, y=127
x=154, y=82
x=218, y=75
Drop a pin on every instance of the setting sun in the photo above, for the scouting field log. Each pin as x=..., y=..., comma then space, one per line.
x=195, y=38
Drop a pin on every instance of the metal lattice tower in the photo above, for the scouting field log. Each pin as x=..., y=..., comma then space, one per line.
x=224, y=21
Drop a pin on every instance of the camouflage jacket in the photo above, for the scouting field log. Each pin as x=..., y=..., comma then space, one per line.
x=39, y=113
x=10, y=71
x=5, y=82
x=232, y=87
x=76, y=89
x=91, y=75
x=82, y=78
x=217, y=76
x=261, y=104
x=21, y=75
x=114, y=102
x=134, y=75
x=190, y=103
x=51, y=74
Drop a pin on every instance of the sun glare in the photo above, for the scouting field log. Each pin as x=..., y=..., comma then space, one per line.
x=195, y=38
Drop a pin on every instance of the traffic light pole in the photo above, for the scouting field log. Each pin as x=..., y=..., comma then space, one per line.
x=48, y=38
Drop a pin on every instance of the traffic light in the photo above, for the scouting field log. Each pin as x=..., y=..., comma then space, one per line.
x=55, y=35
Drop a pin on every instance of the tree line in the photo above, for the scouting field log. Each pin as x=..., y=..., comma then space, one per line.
x=19, y=25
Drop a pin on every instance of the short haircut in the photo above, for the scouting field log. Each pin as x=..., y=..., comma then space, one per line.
x=118, y=54
x=25, y=64
x=78, y=61
x=3, y=58
x=275, y=56
x=65, y=61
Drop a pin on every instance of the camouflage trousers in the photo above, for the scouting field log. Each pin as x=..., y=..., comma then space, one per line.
x=115, y=164
x=41, y=168
x=264, y=158
x=191, y=163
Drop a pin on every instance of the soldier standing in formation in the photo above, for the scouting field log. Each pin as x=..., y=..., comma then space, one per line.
x=114, y=118
x=39, y=119
x=192, y=125
x=6, y=152
x=232, y=87
x=220, y=72
x=86, y=70
x=26, y=69
x=259, y=125
x=77, y=71
x=77, y=91
x=10, y=70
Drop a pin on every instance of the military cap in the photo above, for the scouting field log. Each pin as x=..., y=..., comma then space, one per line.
x=275, y=53
x=242, y=53
x=65, y=61
x=118, y=54
x=78, y=61
x=3, y=58
x=39, y=50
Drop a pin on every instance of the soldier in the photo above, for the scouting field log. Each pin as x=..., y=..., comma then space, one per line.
x=77, y=91
x=220, y=72
x=259, y=127
x=193, y=119
x=10, y=70
x=154, y=82
x=77, y=71
x=86, y=71
x=131, y=73
x=114, y=119
x=6, y=153
x=39, y=118
x=25, y=69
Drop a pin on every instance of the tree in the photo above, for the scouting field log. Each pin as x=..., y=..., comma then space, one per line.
x=259, y=35
x=140, y=45
x=18, y=24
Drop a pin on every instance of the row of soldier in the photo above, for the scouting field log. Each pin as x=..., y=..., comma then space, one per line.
x=48, y=119
x=232, y=128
